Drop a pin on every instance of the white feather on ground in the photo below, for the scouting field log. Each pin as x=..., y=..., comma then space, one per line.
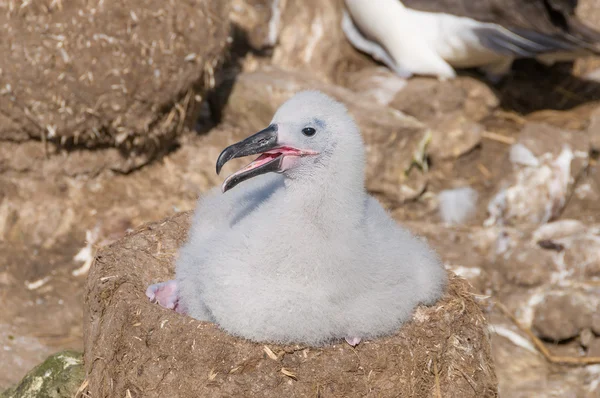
x=456, y=206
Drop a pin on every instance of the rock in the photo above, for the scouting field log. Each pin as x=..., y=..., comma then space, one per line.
x=259, y=20
x=148, y=351
x=596, y=323
x=594, y=348
x=583, y=255
x=560, y=252
x=589, y=12
x=33, y=156
x=537, y=193
x=377, y=83
x=453, y=136
x=586, y=337
x=576, y=248
x=59, y=376
x=584, y=204
x=558, y=229
x=394, y=142
x=523, y=372
x=70, y=203
x=427, y=98
x=528, y=266
x=561, y=316
x=311, y=39
x=25, y=323
x=452, y=109
x=542, y=139
x=594, y=130
x=118, y=74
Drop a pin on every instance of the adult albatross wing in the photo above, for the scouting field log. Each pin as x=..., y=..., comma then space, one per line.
x=538, y=26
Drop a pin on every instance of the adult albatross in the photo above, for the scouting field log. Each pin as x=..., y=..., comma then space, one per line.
x=432, y=37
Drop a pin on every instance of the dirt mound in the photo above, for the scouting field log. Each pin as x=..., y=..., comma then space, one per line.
x=111, y=73
x=134, y=348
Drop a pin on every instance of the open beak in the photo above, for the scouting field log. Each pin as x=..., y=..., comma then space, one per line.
x=271, y=157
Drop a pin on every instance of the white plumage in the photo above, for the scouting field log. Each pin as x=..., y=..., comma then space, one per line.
x=420, y=42
x=303, y=255
x=434, y=42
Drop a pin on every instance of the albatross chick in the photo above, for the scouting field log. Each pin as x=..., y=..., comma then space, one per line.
x=299, y=252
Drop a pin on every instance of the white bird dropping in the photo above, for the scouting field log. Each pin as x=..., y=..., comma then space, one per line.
x=299, y=252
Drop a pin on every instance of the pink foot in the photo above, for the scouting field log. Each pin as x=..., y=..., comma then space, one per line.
x=353, y=341
x=166, y=294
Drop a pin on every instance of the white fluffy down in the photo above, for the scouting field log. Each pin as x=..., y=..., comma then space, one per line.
x=306, y=256
x=457, y=205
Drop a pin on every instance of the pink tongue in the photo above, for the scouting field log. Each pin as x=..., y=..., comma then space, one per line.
x=262, y=159
x=268, y=156
x=259, y=161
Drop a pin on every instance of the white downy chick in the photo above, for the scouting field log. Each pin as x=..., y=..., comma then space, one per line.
x=299, y=252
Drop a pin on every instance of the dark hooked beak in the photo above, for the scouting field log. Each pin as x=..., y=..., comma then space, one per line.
x=259, y=143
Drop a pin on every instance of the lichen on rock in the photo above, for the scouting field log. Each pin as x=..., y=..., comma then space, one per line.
x=59, y=376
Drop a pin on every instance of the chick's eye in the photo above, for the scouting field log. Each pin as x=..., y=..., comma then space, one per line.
x=308, y=131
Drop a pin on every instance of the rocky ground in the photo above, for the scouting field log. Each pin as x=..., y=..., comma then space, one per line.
x=528, y=146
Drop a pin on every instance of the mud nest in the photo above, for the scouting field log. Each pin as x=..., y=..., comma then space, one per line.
x=107, y=73
x=138, y=349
